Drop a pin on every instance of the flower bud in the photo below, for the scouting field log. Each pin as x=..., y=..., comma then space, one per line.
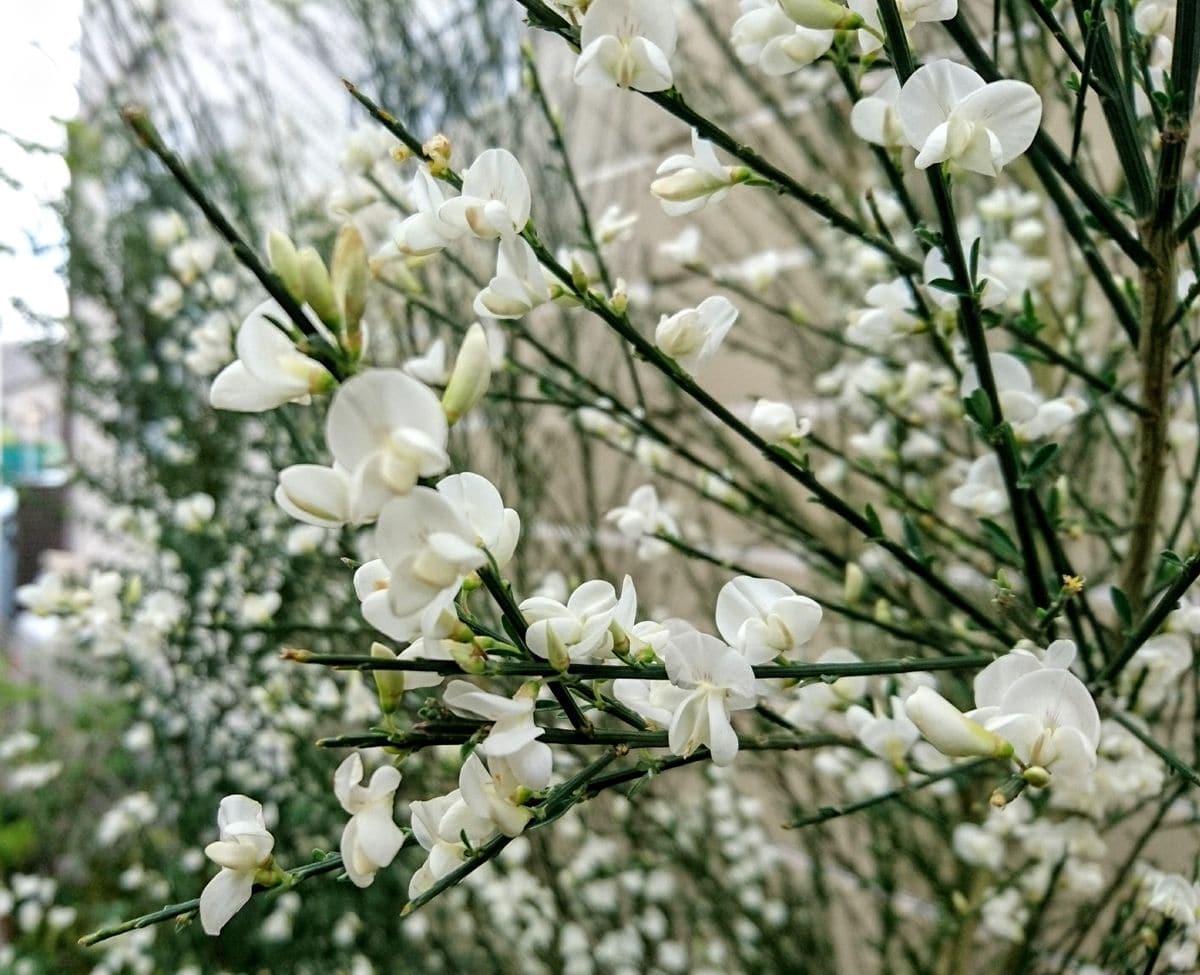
x=469, y=657
x=557, y=654
x=317, y=287
x=949, y=730
x=471, y=376
x=389, y=683
x=437, y=152
x=688, y=184
x=774, y=422
x=350, y=273
x=855, y=582
x=1036, y=776
x=286, y=263
x=821, y=14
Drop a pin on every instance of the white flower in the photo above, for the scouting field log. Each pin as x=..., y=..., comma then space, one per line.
x=482, y=516
x=626, y=44
x=245, y=846
x=614, y=225
x=430, y=366
x=329, y=497
x=720, y=681
x=167, y=298
x=1155, y=17
x=519, y=285
x=684, y=249
x=776, y=422
x=1043, y=710
x=888, y=737
x=371, y=583
x=439, y=825
x=993, y=294
x=165, y=228
x=912, y=12
x=387, y=430
x=489, y=792
x=641, y=518
x=425, y=231
x=1051, y=721
x=888, y=317
x=1022, y=405
x=766, y=36
x=586, y=628
x=874, y=118
x=691, y=337
x=476, y=499
x=1156, y=670
x=495, y=198
x=1176, y=897
x=949, y=114
x=514, y=735
x=686, y=183
x=983, y=492
x=258, y=607
x=195, y=511
x=977, y=846
x=371, y=839
x=814, y=702
x=429, y=549
x=762, y=618
x=268, y=371
x=654, y=700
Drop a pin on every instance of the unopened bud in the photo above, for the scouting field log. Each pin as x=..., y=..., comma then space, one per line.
x=317, y=287
x=468, y=656
x=821, y=14
x=437, y=153
x=471, y=375
x=619, y=302
x=388, y=683
x=1036, y=776
x=949, y=730
x=286, y=263
x=854, y=584
x=350, y=273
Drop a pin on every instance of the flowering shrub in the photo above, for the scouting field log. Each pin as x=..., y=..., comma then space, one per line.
x=942, y=633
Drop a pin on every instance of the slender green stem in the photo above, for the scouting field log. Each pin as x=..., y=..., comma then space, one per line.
x=972, y=322
x=328, y=864
x=540, y=15
x=1152, y=621
x=137, y=119
x=534, y=668
x=826, y=813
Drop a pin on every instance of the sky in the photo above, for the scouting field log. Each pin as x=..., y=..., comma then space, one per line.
x=39, y=67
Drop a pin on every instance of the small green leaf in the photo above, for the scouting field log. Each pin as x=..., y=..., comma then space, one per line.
x=1039, y=465
x=1121, y=604
x=979, y=409
x=1001, y=544
x=873, y=523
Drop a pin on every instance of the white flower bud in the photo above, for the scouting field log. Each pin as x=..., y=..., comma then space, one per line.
x=774, y=422
x=471, y=375
x=949, y=730
x=821, y=14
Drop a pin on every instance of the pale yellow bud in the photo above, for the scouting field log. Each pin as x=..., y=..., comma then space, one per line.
x=286, y=263
x=317, y=286
x=389, y=683
x=350, y=273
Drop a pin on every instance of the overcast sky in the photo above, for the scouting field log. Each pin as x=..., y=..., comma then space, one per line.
x=39, y=66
